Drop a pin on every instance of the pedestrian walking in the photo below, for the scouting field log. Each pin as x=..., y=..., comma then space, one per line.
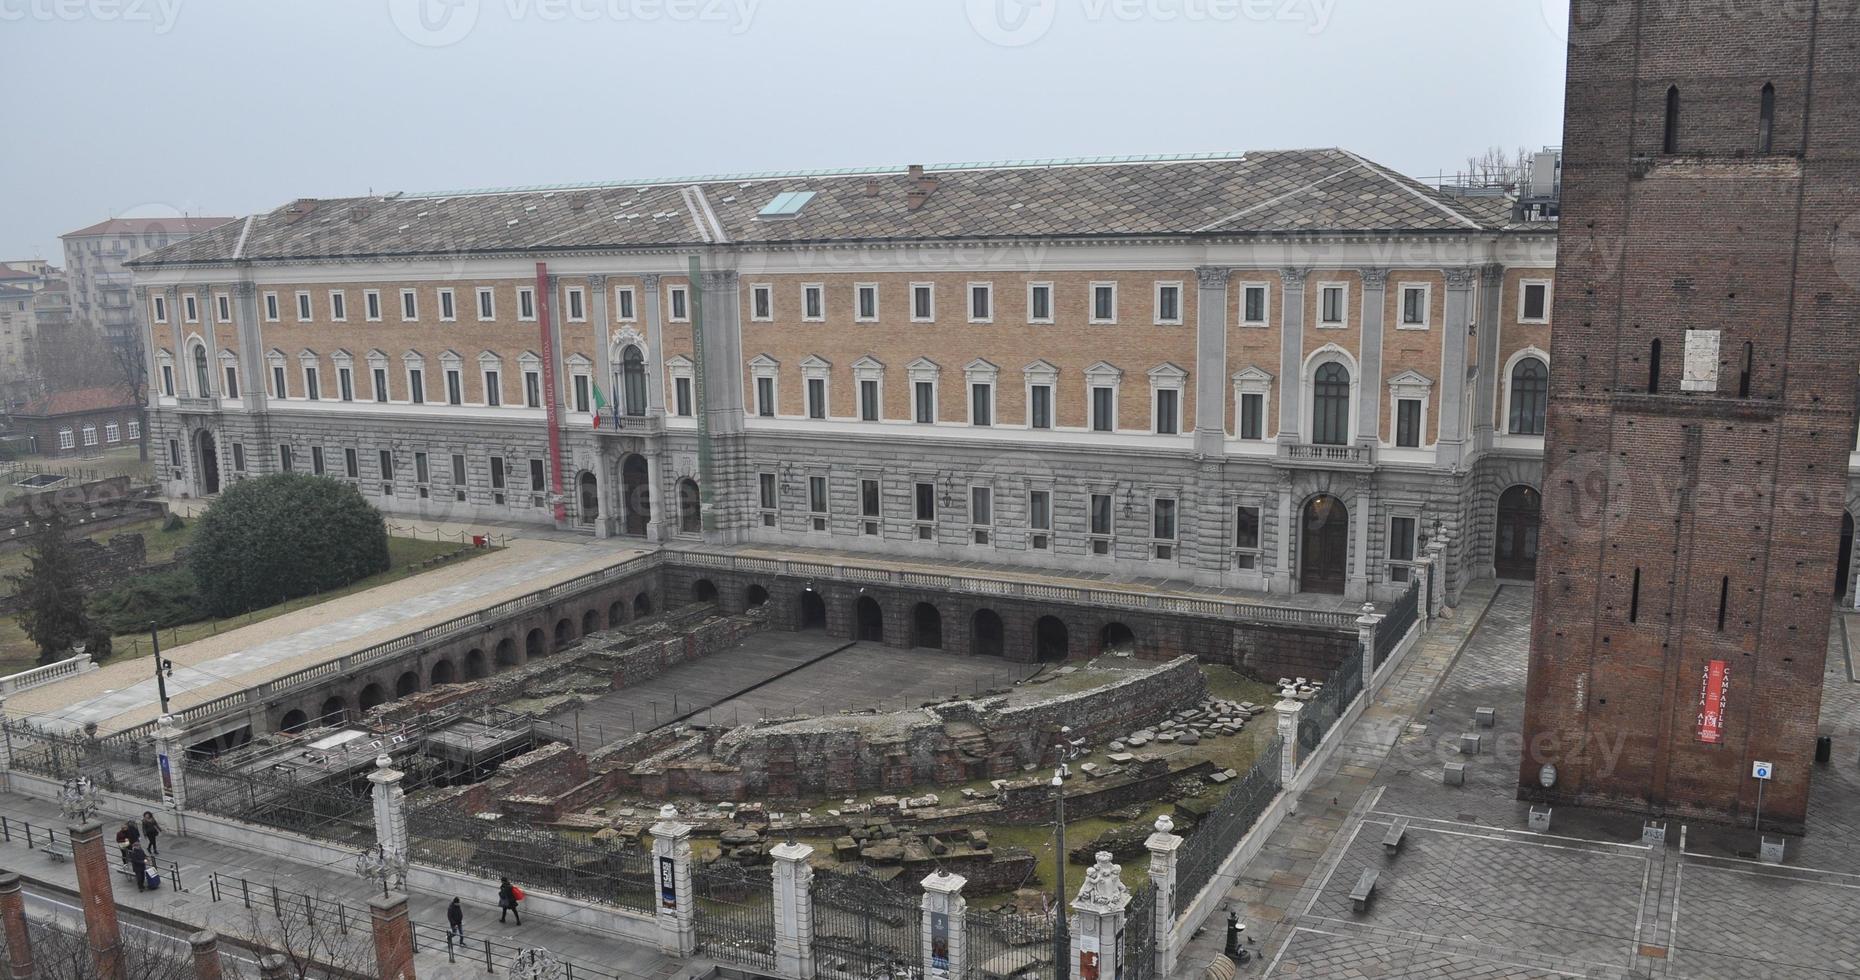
x=150, y=831
x=127, y=838
x=455, y=921
x=508, y=895
x=139, y=866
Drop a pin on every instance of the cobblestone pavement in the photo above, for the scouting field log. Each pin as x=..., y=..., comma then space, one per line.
x=1313, y=953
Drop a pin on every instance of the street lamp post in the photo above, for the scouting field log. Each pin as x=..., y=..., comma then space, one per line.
x=1064, y=751
x=163, y=668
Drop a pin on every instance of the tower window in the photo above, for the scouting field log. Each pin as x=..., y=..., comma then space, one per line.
x=1766, y=120
x=1671, y=144
x=1634, y=599
x=1653, y=367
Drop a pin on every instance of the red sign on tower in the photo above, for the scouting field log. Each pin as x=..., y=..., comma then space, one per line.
x=1712, y=692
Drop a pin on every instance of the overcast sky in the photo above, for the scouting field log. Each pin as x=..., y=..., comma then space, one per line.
x=154, y=107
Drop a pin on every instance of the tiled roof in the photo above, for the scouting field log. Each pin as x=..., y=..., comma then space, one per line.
x=174, y=226
x=75, y=402
x=1287, y=191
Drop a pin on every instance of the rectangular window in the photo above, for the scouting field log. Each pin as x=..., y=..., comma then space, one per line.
x=387, y=464
x=623, y=303
x=926, y=402
x=278, y=387
x=493, y=389
x=421, y=474
x=1252, y=415
x=232, y=381
x=190, y=308
x=680, y=309
x=271, y=307
x=762, y=302
x=981, y=513
x=1167, y=411
x=813, y=303
x=285, y=462
x=338, y=305
x=487, y=303
x=409, y=305
x=1162, y=526
x=458, y=469
x=526, y=303
x=135, y=429
x=1414, y=306
x=867, y=306
x=981, y=302
x=1101, y=514
x=816, y=398
x=1169, y=302
x=497, y=471
x=1253, y=305
x=532, y=389
x=923, y=302
x=681, y=397
x=926, y=502
x=1534, y=304
x=448, y=310
x=381, y=384
x=1103, y=409
x=868, y=507
x=1246, y=528
x=303, y=307
x=316, y=460
x=981, y=404
x=68, y=440
x=1408, y=423
x=1040, y=302
x=1104, y=302
x=455, y=388
x=1040, y=406
x=313, y=388
x=1040, y=518
x=1331, y=306
x=350, y=464
x=1401, y=539
x=765, y=397
x=238, y=456
x=167, y=380
x=161, y=312
x=416, y=386
x=371, y=304
x=224, y=304
x=577, y=305
x=868, y=400
x=583, y=400
x=817, y=501
x=345, y=383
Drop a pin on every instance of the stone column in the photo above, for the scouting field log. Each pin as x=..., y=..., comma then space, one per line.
x=1289, y=711
x=1291, y=352
x=390, y=814
x=1288, y=523
x=1098, y=921
x=1357, y=586
x=18, y=938
x=274, y=967
x=945, y=942
x=1211, y=309
x=393, y=935
x=171, y=762
x=794, y=910
x=1164, y=845
x=98, y=900
x=649, y=287
x=1366, y=639
x=1485, y=393
x=206, y=946
x=1437, y=555
x=1459, y=318
x=1369, y=404
x=723, y=352
x=671, y=855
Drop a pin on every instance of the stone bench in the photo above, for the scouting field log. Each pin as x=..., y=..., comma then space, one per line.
x=1365, y=888
x=1391, y=841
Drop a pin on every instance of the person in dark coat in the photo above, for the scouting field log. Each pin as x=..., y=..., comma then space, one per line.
x=127, y=838
x=455, y=921
x=150, y=831
x=139, y=866
x=507, y=901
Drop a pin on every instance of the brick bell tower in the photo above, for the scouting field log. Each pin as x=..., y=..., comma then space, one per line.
x=1702, y=406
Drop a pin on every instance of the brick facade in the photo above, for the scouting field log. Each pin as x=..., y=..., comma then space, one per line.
x=1689, y=522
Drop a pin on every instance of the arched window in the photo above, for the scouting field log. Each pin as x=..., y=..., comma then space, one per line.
x=1671, y=143
x=1766, y=120
x=1330, y=405
x=690, y=517
x=633, y=381
x=203, y=381
x=1530, y=394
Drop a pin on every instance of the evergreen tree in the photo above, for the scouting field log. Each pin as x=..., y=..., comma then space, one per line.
x=51, y=594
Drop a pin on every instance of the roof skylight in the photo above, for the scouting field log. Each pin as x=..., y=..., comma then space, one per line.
x=787, y=204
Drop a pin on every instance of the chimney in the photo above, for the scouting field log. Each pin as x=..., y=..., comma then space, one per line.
x=915, y=198
x=917, y=171
x=871, y=187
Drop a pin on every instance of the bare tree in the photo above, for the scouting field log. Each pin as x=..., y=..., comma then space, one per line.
x=320, y=939
x=60, y=954
x=1497, y=166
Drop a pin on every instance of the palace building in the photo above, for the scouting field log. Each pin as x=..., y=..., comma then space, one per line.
x=1276, y=372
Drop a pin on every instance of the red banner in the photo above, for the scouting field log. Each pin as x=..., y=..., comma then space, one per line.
x=1712, y=690
x=550, y=404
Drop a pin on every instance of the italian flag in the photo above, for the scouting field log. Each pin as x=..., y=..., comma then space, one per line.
x=600, y=402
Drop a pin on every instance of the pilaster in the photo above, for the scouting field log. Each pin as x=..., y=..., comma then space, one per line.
x=1457, y=323
x=1287, y=575
x=1291, y=352
x=1363, y=516
x=1211, y=312
x=1369, y=404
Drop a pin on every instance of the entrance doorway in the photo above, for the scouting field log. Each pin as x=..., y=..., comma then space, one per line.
x=588, y=495
x=1050, y=640
x=986, y=634
x=1515, y=553
x=1844, y=558
x=208, y=453
x=926, y=627
x=813, y=610
x=1324, y=548
x=635, y=495
x=870, y=619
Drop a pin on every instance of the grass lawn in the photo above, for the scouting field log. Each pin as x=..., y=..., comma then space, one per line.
x=160, y=546
x=17, y=652
x=122, y=461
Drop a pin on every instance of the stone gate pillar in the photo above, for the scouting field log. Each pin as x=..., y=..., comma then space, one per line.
x=1437, y=551
x=206, y=947
x=794, y=910
x=671, y=857
x=945, y=942
x=170, y=761
x=1098, y=922
x=393, y=937
x=1424, y=574
x=1164, y=845
x=1289, y=713
x=390, y=814
x=1366, y=638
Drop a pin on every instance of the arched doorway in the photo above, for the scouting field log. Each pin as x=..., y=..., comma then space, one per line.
x=294, y=721
x=642, y=605
x=474, y=665
x=335, y=711
x=1514, y=553
x=1844, y=559
x=616, y=613
x=869, y=620
x=536, y=645
x=590, y=621
x=588, y=495
x=506, y=654
x=986, y=633
x=1116, y=638
x=813, y=610
x=755, y=596
x=703, y=590
x=1324, y=547
x=926, y=627
x=207, y=453
x=1051, y=640
x=371, y=695
x=635, y=495
x=690, y=513
x=407, y=683
x=445, y=673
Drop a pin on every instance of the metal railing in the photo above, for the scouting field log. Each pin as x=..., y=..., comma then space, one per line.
x=1323, y=455
x=1220, y=831
x=1396, y=623
x=57, y=845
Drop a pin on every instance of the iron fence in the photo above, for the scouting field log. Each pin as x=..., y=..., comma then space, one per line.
x=330, y=810
x=734, y=914
x=619, y=874
x=1138, y=955
x=864, y=929
x=56, y=844
x=1324, y=709
x=1396, y=623
x=1220, y=831
x=1008, y=945
x=121, y=767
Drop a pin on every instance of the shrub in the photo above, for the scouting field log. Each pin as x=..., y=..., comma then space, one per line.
x=51, y=593
x=173, y=523
x=283, y=536
x=166, y=599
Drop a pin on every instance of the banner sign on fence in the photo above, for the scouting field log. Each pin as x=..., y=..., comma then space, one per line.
x=167, y=781
x=668, y=882
x=1712, y=692
x=939, y=941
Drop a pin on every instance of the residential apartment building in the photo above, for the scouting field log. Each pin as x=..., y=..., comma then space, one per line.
x=101, y=288
x=1279, y=372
